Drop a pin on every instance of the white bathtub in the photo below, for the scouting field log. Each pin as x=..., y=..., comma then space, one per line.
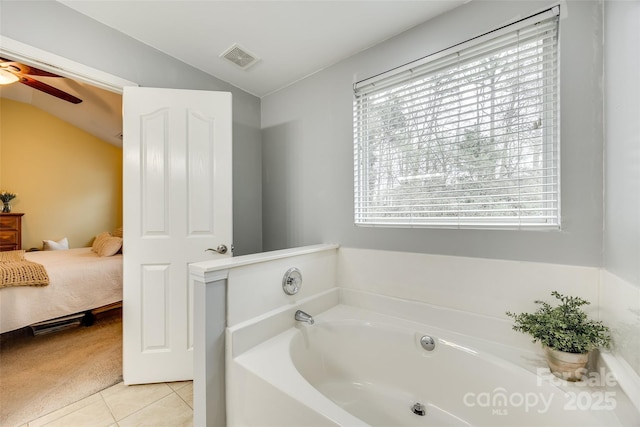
x=355, y=367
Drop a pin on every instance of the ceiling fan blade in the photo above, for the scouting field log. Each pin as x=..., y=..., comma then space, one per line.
x=17, y=67
x=49, y=89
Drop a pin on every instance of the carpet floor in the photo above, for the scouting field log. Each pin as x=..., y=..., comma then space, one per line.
x=43, y=373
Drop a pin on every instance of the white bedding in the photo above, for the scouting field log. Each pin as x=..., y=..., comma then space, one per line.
x=79, y=280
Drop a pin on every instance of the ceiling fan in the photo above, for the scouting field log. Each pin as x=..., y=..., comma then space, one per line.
x=13, y=72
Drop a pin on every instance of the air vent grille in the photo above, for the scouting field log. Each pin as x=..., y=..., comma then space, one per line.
x=239, y=56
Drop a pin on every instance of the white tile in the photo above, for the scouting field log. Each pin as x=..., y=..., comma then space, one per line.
x=95, y=415
x=125, y=400
x=177, y=385
x=169, y=411
x=52, y=416
x=186, y=393
x=113, y=389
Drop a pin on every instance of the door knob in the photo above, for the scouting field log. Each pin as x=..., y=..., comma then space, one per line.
x=221, y=249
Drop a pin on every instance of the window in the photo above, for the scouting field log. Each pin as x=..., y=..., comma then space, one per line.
x=464, y=138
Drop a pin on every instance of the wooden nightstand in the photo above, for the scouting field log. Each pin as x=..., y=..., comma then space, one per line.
x=10, y=231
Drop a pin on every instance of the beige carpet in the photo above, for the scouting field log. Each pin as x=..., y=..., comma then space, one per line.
x=39, y=374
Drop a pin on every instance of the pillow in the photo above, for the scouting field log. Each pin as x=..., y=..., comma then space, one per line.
x=110, y=246
x=99, y=241
x=117, y=232
x=60, y=245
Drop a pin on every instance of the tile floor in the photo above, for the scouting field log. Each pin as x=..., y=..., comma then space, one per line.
x=163, y=404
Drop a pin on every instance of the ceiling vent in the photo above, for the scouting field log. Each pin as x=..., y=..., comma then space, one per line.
x=239, y=56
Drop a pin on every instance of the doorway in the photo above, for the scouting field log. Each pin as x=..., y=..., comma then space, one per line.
x=101, y=97
x=177, y=147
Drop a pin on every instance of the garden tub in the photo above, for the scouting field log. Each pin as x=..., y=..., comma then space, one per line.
x=356, y=367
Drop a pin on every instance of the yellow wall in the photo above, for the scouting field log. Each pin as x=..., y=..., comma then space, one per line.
x=69, y=183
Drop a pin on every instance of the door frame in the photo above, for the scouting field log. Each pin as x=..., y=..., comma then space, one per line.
x=47, y=61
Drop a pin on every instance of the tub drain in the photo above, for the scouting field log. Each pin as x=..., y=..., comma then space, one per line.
x=419, y=409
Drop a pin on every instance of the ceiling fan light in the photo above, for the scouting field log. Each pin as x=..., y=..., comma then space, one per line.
x=7, y=78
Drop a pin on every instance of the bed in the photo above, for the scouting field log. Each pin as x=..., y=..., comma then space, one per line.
x=79, y=280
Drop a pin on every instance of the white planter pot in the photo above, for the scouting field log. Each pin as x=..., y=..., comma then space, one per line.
x=568, y=366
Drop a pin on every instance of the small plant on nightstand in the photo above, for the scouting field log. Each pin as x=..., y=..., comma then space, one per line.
x=6, y=197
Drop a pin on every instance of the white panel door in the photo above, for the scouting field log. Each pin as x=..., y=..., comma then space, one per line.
x=177, y=204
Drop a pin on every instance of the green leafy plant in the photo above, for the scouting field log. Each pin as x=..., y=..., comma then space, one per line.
x=6, y=196
x=565, y=327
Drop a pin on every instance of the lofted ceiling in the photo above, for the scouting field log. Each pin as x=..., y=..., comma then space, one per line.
x=292, y=39
x=99, y=114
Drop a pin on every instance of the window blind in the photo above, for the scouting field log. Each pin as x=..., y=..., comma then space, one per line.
x=465, y=138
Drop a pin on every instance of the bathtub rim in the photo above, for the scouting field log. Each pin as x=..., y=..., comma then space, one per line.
x=477, y=327
x=280, y=374
x=493, y=330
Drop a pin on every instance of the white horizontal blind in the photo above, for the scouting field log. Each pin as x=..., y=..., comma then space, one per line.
x=466, y=138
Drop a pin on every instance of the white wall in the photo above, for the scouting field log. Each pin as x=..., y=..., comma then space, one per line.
x=480, y=286
x=619, y=308
x=489, y=288
x=255, y=289
x=622, y=137
x=620, y=283
x=475, y=293
x=308, y=146
x=53, y=27
x=238, y=292
x=483, y=287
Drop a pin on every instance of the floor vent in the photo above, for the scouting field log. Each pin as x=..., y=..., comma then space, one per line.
x=239, y=56
x=58, y=324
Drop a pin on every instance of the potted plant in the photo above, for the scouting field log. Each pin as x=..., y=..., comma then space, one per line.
x=566, y=333
x=6, y=197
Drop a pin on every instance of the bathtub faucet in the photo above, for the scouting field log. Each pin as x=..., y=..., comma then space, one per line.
x=301, y=316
